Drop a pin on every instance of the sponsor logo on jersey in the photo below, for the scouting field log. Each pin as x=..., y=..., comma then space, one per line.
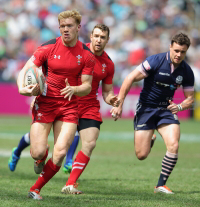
x=166, y=74
x=179, y=79
x=79, y=59
x=146, y=65
x=57, y=56
x=103, y=68
x=172, y=87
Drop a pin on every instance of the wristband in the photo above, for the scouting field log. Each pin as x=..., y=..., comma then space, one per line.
x=179, y=107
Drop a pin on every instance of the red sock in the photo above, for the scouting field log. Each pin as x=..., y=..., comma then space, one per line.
x=78, y=167
x=49, y=170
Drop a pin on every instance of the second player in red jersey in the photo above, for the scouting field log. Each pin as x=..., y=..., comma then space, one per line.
x=89, y=107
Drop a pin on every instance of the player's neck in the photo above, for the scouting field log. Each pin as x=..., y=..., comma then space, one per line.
x=71, y=43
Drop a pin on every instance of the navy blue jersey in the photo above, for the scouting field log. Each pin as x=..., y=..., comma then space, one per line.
x=162, y=80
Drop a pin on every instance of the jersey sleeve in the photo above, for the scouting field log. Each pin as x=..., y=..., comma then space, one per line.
x=188, y=80
x=40, y=55
x=108, y=79
x=150, y=64
x=89, y=64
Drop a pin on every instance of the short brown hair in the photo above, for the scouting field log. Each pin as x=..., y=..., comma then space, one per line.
x=70, y=13
x=181, y=39
x=102, y=27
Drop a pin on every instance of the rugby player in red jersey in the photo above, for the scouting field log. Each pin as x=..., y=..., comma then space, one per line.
x=89, y=116
x=63, y=60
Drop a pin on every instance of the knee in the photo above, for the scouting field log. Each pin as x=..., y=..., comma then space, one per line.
x=59, y=152
x=91, y=145
x=38, y=154
x=141, y=155
x=88, y=147
x=173, y=147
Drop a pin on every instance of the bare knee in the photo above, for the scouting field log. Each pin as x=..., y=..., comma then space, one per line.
x=141, y=155
x=88, y=147
x=59, y=153
x=173, y=147
x=38, y=154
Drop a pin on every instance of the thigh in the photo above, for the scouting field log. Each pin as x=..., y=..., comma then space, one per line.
x=89, y=134
x=145, y=118
x=63, y=134
x=142, y=140
x=170, y=133
x=39, y=135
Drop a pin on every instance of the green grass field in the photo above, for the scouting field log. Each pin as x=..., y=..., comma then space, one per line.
x=113, y=178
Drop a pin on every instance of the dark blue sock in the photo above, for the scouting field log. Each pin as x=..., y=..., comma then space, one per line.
x=72, y=149
x=23, y=143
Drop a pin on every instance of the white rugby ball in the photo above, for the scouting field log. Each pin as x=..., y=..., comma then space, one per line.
x=34, y=75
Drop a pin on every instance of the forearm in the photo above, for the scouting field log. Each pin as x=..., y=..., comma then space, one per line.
x=186, y=104
x=20, y=80
x=125, y=88
x=82, y=90
x=107, y=96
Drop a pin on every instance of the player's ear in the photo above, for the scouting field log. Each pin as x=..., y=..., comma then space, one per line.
x=78, y=28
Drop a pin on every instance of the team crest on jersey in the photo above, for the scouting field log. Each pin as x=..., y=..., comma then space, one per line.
x=79, y=59
x=179, y=79
x=103, y=67
x=56, y=56
x=39, y=115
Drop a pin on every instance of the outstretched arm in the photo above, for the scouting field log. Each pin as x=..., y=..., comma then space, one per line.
x=108, y=95
x=133, y=77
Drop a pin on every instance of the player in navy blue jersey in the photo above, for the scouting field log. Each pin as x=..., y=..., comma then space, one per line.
x=162, y=73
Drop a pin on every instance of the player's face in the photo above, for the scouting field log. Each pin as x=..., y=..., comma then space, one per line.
x=99, y=39
x=177, y=53
x=69, y=31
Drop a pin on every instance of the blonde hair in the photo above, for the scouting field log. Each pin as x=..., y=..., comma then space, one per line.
x=70, y=13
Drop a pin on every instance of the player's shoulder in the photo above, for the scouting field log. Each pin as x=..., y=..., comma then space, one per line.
x=107, y=57
x=50, y=42
x=84, y=47
x=185, y=67
x=158, y=57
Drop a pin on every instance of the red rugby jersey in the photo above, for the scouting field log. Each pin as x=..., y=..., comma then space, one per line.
x=103, y=70
x=60, y=62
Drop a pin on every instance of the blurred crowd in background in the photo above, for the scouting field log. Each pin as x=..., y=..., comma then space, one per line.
x=138, y=28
